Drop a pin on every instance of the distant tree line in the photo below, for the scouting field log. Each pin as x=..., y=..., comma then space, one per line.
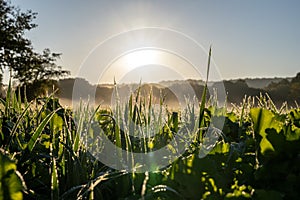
x=286, y=90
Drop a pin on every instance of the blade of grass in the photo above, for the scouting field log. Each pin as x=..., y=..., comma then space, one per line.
x=54, y=178
x=8, y=98
x=14, y=129
x=39, y=129
x=203, y=99
x=79, y=129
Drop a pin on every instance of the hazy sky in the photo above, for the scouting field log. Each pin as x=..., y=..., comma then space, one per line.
x=257, y=38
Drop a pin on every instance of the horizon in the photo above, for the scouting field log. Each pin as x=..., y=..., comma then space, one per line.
x=177, y=80
x=5, y=81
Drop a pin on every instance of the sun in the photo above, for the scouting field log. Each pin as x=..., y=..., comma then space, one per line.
x=130, y=61
x=147, y=62
x=141, y=58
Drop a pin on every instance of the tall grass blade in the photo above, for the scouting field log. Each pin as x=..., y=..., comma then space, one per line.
x=117, y=131
x=14, y=129
x=54, y=179
x=203, y=99
x=8, y=98
x=82, y=116
x=20, y=101
x=39, y=129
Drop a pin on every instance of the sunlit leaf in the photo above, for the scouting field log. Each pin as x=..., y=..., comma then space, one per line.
x=263, y=119
x=11, y=185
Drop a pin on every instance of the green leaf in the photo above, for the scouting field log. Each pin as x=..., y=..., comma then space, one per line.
x=11, y=185
x=57, y=122
x=263, y=119
x=276, y=139
x=232, y=116
x=220, y=148
x=292, y=133
x=295, y=117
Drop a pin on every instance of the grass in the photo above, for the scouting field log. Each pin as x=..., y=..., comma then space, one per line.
x=51, y=152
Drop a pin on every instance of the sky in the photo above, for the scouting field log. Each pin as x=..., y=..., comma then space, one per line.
x=257, y=38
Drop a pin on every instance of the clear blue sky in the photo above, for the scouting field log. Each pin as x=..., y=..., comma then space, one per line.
x=254, y=38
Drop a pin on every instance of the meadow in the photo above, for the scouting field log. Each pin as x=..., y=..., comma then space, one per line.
x=44, y=153
x=152, y=145
x=143, y=149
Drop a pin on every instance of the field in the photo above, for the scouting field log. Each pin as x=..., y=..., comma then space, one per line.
x=148, y=120
x=50, y=152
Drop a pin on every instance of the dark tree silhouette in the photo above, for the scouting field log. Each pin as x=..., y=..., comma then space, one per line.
x=36, y=71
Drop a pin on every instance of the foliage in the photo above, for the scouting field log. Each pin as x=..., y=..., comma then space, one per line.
x=44, y=154
x=17, y=54
x=10, y=183
x=286, y=90
x=256, y=156
x=13, y=44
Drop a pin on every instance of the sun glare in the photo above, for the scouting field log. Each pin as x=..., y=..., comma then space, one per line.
x=141, y=58
x=149, y=60
x=130, y=61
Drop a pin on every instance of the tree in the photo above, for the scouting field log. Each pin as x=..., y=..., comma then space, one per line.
x=31, y=69
x=39, y=73
x=295, y=88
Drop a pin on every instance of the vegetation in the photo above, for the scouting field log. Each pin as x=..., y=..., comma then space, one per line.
x=33, y=70
x=50, y=152
x=286, y=90
x=43, y=155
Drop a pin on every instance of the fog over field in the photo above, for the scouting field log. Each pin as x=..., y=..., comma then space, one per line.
x=175, y=92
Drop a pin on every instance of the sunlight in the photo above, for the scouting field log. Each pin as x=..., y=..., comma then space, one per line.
x=129, y=61
x=152, y=65
x=141, y=58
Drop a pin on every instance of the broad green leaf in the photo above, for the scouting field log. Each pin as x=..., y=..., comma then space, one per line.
x=10, y=185
x=276, y=139
x=263, y=119
x=266, y=146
